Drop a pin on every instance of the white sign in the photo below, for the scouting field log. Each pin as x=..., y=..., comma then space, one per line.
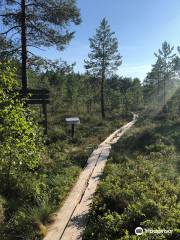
x=73, y=120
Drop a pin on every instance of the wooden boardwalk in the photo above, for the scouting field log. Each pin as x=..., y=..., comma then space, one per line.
x=71, y=219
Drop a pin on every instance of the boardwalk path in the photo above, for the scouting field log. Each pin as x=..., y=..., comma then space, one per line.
x=71, y=218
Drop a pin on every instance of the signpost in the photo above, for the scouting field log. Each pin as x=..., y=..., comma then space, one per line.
x=37, y=96
x=72, y=121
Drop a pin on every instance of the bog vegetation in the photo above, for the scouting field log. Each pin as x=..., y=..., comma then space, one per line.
x=140, y=185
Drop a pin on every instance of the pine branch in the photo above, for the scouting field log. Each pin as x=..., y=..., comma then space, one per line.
x=39, y=30
x=13, y=2
x=8, y=14
x=10, y=29
x=31, y=45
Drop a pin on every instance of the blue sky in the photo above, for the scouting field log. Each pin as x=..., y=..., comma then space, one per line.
x=139, y=25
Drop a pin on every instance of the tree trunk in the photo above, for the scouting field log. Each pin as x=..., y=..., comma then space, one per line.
x=126, y=106
x=102, y=97
x=24, y=45
x=102, y=84
x=158, y=89
x=164, y=97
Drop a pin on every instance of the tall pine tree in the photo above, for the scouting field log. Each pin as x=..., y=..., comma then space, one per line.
x=37, y=23
x=104, y=58
x=166, y=65
x=160, y=81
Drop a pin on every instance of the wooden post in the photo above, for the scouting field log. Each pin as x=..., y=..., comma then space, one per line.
x=72, y=131
x=45, y=117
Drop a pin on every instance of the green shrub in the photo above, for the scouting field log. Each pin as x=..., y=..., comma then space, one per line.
x=57, y=133
x=138, y=189
x=22, y=180
x=21, y=144
x=61, y=183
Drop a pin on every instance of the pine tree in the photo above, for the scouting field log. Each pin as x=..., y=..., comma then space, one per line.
x=37, y=23
x=104, y=58
x=153, y=82
x=160, y=81
x=166, y=64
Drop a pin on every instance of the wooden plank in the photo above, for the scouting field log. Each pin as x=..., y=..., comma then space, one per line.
x=34, y=91
x=35, y=96
x=37, y=101
x=56, y=230
x=71, y=218
x=77, y=223
x=80, y=215
x=30, y=91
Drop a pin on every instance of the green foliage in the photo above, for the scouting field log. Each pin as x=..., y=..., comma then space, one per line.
x=21, y=146
x=104, y=58
x=34, y=179
x=138, y=189
x=42, y=29
x=124, y=94
x=21, y=153
x=163, y=81
x=62, y=182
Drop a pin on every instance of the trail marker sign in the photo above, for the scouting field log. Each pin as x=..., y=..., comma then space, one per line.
x=72, y=121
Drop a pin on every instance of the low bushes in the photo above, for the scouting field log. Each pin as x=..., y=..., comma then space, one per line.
x=138, y=189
